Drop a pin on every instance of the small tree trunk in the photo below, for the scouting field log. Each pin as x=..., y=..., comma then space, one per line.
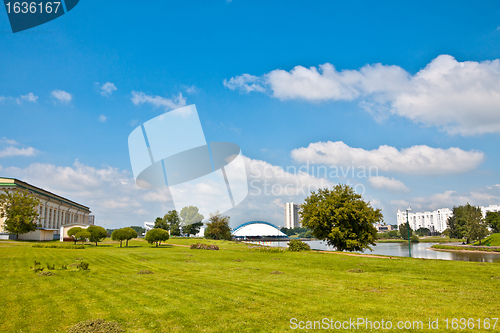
x=156, y=244
x=95, y=243
x=127, y=243
x=120, y=243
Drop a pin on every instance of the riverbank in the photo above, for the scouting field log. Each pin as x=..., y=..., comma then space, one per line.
x=467, y=248
x=429, y=239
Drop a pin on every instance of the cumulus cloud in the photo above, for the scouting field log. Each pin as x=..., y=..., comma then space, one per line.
x=414, y=160
x=391, y=184
x=459, y=97
x=30, y=97
x=62, y=96
x=175, y=102
x=102, y=118
x=107, y=89
x=8, y=149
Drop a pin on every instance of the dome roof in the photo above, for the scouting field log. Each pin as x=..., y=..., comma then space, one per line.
x=257, y=229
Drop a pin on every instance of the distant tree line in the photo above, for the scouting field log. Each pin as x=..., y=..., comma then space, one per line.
x=300, y=232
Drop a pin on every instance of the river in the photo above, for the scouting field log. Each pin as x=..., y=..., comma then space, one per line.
x=418, y=250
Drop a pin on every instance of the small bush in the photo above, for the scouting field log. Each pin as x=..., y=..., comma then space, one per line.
x=51, y=267
x=83, y=265
x=296, y=245
x=355, y=270
x=96, y=326
x=46, y=273
x=201, y=246
x=64, y=267
x=414, y=239
x=145, y=271
x=267, y=249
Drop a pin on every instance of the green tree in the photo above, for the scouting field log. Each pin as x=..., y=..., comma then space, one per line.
x=139, y=230
x=161, y=223
x=493, y=221
x=82, y=235
x=156, y=236
x=19, y=210
x=341, y=217
x=73, y=231
x=174, y=222
x=423, y=231
x=191, y=220
x=218, y=227
x=467, y=222
x=119, y=235
x=97, y=234
x=129, y=234
x=403, y=231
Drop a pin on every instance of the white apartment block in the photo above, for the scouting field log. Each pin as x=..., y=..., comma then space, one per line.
x=435, y=220
x=292, y=217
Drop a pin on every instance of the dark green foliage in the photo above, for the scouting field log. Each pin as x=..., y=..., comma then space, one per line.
x=174, y=222
x=64, y=266
x=83, y=265
x=296, y=245
x=393, y=234
x=341, y=217
x=200, y=246
x=467, y=222
x=129, y=234
x=144, y=271
x=96, y=326
x=423, y=232
x=19, y=210
x=414, y=239
x=97, y=234
x=73, y=231
x=191, y=220
x=37, y=267
x=403, y=231
x=82, y=235
x=299, y=231
x=156, y=236
x=161, y=223
x=51, y=267
x=493, y=221
x=218, y=227
x=123, y=234
x=139, y=230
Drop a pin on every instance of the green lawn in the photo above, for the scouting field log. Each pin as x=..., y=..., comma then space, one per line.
x=491, y=240
x=234, y=289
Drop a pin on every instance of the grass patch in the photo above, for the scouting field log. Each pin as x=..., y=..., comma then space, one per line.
x=491, y=240
x=231, y=290
x=465, y=248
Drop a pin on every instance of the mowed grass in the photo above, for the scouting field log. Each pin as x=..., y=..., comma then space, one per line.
x=234, y=289
x=492, y=240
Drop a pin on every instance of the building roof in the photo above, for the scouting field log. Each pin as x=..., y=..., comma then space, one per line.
x=6, y=182
x=257, y=229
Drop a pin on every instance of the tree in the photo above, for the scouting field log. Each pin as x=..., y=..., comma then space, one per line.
x=97, y=234
x=73, y=231
x=19, y=210
x=139, y=230
x=423, y=231
x=156, y=236
x=161, y=223
x=119, y=235
x=129, y=234
x=341, y=217
x=174, y=222
x=467, y=222
x=218, y=227
x=82, y=235
x=493, y=221
x=403, y=231
x=191, y=220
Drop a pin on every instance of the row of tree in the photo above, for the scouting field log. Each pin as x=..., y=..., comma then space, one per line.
x=467, y=223
x=188, y=222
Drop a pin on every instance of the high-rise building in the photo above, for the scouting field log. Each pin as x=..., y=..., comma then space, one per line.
x=292, y=217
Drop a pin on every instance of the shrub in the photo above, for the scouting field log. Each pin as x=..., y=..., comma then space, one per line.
x=64, y=267
x=46, y=273
x=49, y=267
x=414, y=239
x=296, y=245
x=201, y=246
x=145, y=271
x=96, y=326
x=83, y=265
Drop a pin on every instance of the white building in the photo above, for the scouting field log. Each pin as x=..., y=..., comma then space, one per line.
x=54, y=211
x=292, y=217
x=257, y=229
x=435, y=220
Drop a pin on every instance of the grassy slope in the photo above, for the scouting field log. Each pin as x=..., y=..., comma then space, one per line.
x=232, y=290
x=492, y=240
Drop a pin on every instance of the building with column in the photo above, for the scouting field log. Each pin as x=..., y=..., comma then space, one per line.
x=292, y=217
x=435, y=221
x=54, y=211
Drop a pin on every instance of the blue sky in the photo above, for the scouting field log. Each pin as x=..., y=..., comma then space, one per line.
x=67, y=106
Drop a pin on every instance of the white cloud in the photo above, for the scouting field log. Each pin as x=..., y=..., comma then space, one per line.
x=391, y=184
x=107, y=89
x=459, y=97
x=62, y=96
x=175, y=102
x=14, y=151
x=414, y=160
x=8, y=141
x=30, y=97
x=111, y=194
x=102, y=118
